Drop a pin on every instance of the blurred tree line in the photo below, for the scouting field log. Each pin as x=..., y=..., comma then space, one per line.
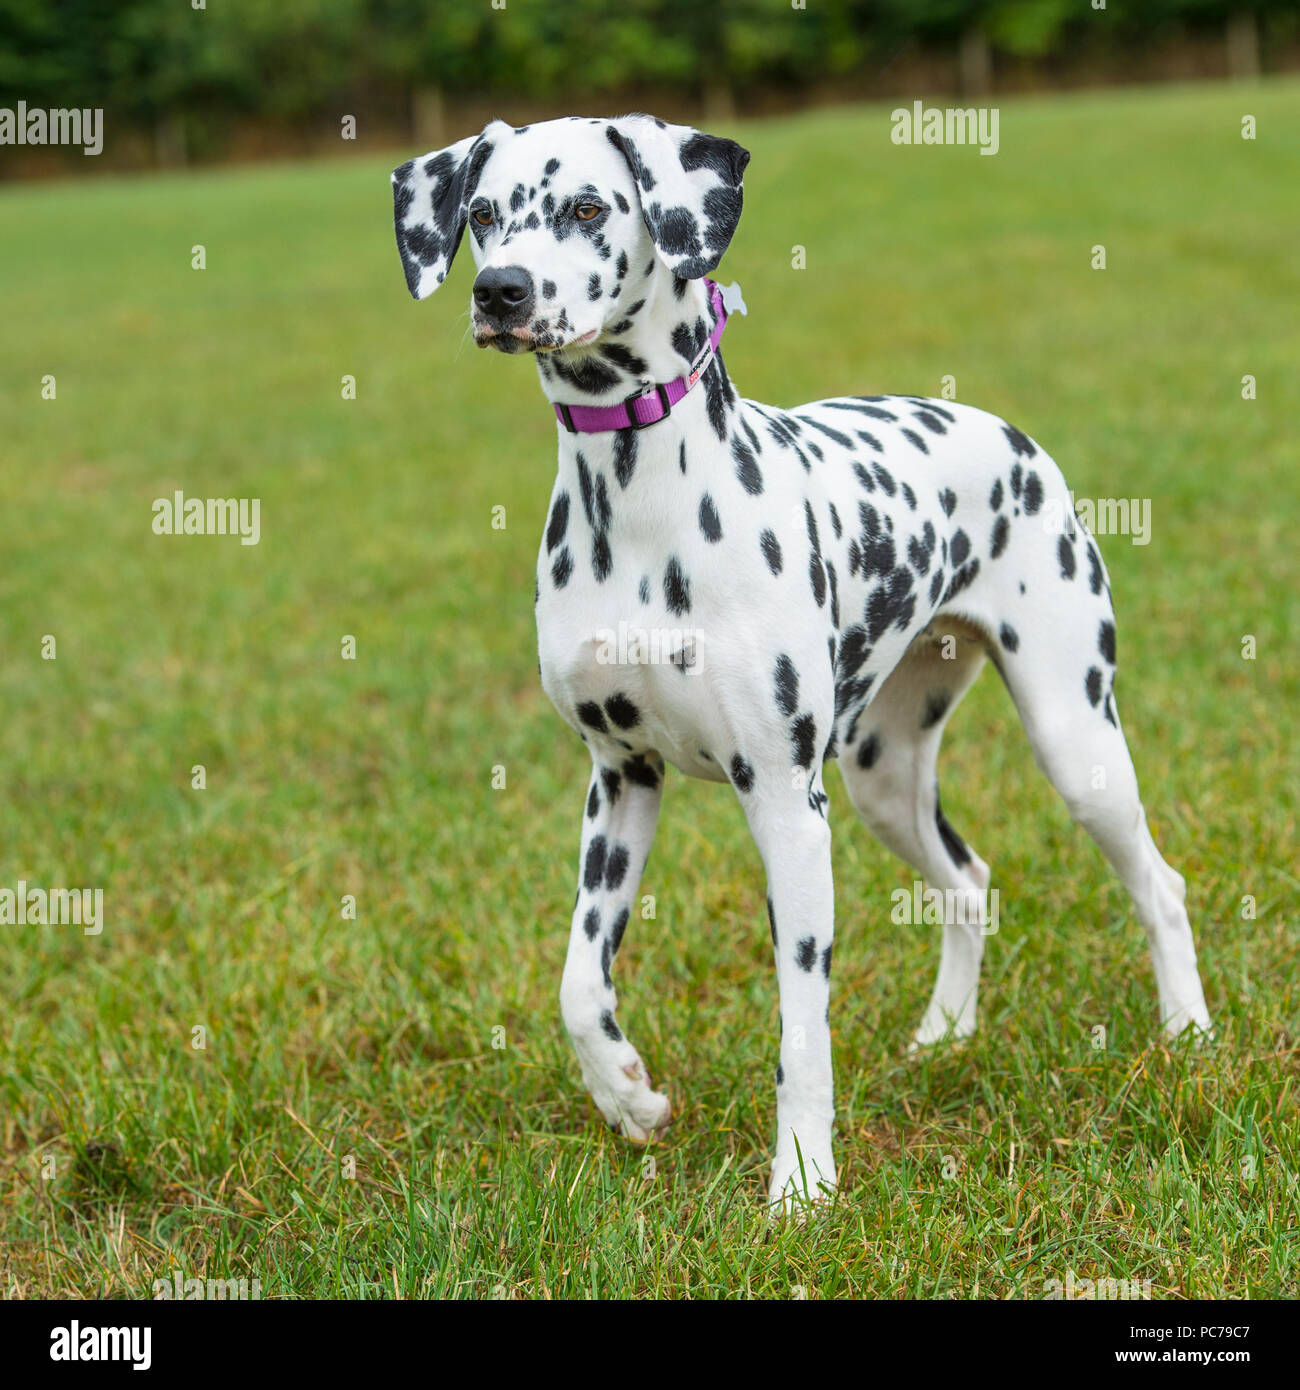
x=169, y=68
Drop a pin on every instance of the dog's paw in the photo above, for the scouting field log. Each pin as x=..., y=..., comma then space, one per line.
x=800, y=1189
x=630, y=1105
x=939, y=1028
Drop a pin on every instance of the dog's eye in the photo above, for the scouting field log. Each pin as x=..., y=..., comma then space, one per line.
x=586, y=212
x=483, y=216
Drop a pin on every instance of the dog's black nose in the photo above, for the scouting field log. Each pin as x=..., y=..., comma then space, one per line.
x=504, y=293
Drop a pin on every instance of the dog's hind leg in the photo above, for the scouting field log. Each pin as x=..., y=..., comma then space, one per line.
x=622, y=810
x=1063, y=685
x=889, y=770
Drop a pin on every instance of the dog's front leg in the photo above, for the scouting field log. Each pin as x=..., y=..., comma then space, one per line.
x=619, y=824
x=795, y=841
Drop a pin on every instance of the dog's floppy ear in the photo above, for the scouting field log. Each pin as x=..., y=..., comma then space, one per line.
x=430, y=206
x=690, y=189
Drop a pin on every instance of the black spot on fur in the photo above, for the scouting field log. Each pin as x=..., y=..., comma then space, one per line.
x=1033, y=494
x=591, y=924
x=1092, y=684
x=869, y=751
x=594, y=870
x=952, y=842
x=609, y=1027
x=589, y=712
x=742, y=774
x=787, y=685
x=1106, y=641
x=803, y=735
x=677, y=588
x=709, y=522
x=1001, y=533
x=771, y=551
x=1008, y=637
x=593, y=802
x=562, y=568
x=936, y=705
x=616, y=867
x=1065, y=553
x=558, y=523
x=805, y=956
x=622, y=711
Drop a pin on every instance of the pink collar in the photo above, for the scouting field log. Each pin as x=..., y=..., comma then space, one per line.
x=636, y=412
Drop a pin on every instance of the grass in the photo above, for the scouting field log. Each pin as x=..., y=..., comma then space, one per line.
x=481, y=1170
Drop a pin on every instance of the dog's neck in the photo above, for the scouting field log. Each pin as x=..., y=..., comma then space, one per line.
x=664, y=325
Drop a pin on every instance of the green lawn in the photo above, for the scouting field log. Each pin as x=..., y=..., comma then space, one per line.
x=484, y=1171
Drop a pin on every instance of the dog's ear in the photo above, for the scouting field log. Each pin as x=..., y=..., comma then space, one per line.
x=690, y=189
x=430, y=207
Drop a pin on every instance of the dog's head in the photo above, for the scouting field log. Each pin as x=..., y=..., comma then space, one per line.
x=569, y=221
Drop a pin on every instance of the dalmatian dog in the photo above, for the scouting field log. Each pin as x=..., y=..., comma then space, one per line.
x=830, y=579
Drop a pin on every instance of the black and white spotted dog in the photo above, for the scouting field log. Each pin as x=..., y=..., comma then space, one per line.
x=843, y=569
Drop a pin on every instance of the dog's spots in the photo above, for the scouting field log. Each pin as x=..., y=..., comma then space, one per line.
x=805, y=955
x=558, y=523
x=826, y=960
x=617, y=930
x=1106, y=641
x=936, y=587
x=1001, y=534
x=602, y=561
x=952, y=842
x=771, y=548
x=948, y=501
x=709, y=521
x=616, y=867
x=747, y=469
x=677, y=588
x=594, y=870
x=643, y=591
x=681, y=457
x=625, y=449
x=622, y=711
x=931, y=422
x=609, y=1027
x=771, y=918
x=913, y=438
x=1007, y=636
x=589, y=712
x=1017, y=479
x=960, y=547
x=591, y=924
x=936, y=705
x=1021, y=443
x=639, y=771
x=803, y=736
x=995, y=497
x=787, y=685
x=742, y=774
x=612, y=782
x=1092, y=684
x=1033, y=494
x=869, y=752
x=1065, y=553
x=562, y=568
x=593, y=802
x=548, y=289
x=1096, y=575
x=594, y=291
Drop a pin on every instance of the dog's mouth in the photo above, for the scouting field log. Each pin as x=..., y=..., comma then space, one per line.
x=516, y=340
